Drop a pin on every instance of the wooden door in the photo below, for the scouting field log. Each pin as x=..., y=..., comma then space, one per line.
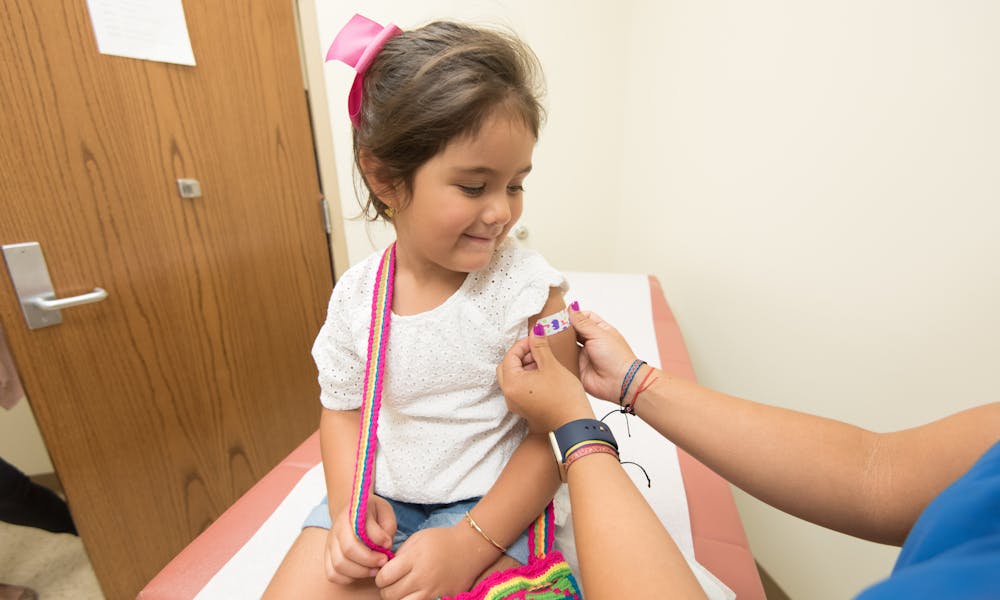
x=163, y=403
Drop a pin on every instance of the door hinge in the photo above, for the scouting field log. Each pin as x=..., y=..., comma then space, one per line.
x=326, y=216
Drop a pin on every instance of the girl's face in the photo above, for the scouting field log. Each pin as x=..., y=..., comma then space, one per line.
x=465, y=200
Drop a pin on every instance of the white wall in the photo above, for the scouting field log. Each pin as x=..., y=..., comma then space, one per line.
x=814, y=183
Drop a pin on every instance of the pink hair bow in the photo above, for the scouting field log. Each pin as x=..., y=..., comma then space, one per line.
x=357, y=45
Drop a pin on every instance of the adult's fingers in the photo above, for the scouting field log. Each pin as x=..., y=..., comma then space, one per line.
x=511, y=363
x=539, y=346
x=515, y=358
x=587, y=324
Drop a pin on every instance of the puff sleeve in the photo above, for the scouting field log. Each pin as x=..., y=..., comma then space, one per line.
x=529, y=279
x=340, y=366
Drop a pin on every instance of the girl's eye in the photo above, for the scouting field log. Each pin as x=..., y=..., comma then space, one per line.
x=471, y=190
x=514, y=189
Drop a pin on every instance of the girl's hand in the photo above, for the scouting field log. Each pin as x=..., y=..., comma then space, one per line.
x=347, y=559
x=537, y=386
x=605, y=357
x=434, y=562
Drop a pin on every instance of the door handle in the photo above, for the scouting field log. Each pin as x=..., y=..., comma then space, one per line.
x=50, y=302
x=30, y=275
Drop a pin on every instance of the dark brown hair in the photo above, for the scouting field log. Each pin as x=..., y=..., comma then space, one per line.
x=430, y=85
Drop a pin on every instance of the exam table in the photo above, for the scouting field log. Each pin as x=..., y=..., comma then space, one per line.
x=236, y=555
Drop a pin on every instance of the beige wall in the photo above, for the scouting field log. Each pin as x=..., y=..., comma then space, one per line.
x=21, y=442
x=814, y=183
x=819, y=184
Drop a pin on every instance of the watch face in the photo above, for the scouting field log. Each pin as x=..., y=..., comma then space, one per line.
x=557, y=453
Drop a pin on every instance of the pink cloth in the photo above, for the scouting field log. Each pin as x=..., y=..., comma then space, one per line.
x=11, y=391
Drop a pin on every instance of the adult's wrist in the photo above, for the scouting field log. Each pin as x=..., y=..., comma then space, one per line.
x=645, y=377
x=577, y=412
x=626, y=389
x=589, y=458
x=579, y=435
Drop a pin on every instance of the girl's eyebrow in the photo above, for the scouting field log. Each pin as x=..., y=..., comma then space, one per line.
x=483, y=170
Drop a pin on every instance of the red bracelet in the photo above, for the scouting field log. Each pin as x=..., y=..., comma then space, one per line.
x=587, y=451
x=630, y=408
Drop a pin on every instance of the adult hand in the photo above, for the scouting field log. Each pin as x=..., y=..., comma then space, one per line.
x=539, y=388
x=605, y=357
x=429, y=564
x=347, y=559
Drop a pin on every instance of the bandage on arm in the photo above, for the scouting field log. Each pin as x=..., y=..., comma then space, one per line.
x=555, y=323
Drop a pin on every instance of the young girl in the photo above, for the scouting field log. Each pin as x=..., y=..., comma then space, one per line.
x=445, y=121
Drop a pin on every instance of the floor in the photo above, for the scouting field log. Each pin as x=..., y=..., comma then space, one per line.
x=55, y=565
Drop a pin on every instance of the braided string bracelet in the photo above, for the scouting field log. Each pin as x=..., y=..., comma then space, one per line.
x=627, y=381
x=600, y=448
x=586, y=450
x=643, y=386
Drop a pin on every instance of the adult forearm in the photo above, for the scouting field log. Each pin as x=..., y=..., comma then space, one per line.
x=623, y=548
x=870, y=485
x=818, y=469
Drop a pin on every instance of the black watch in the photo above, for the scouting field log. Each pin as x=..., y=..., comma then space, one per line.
x=575, y=433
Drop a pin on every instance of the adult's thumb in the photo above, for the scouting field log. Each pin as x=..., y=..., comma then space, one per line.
x=586, y=324
x=541, y=352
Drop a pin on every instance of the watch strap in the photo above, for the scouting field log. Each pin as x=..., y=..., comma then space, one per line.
x=579, y=432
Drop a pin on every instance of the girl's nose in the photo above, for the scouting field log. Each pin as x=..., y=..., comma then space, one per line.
x=497, y=211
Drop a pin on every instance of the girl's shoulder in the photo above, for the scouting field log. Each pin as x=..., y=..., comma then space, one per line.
x=359, y=277
x=354, y=287
x=515, y=261
x=517, y=278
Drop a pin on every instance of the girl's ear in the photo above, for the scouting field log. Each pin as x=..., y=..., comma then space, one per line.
x=372, y=172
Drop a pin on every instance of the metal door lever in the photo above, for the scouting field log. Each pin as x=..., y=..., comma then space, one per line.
x=50, y=302
x=34, y=289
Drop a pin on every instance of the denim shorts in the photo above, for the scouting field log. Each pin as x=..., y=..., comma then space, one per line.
x=411, y=518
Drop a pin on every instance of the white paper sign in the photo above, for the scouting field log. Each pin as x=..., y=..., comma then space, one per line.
x=145, y=29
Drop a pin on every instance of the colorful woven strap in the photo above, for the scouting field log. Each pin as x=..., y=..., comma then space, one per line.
x=541, y=536
x=378, y=340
